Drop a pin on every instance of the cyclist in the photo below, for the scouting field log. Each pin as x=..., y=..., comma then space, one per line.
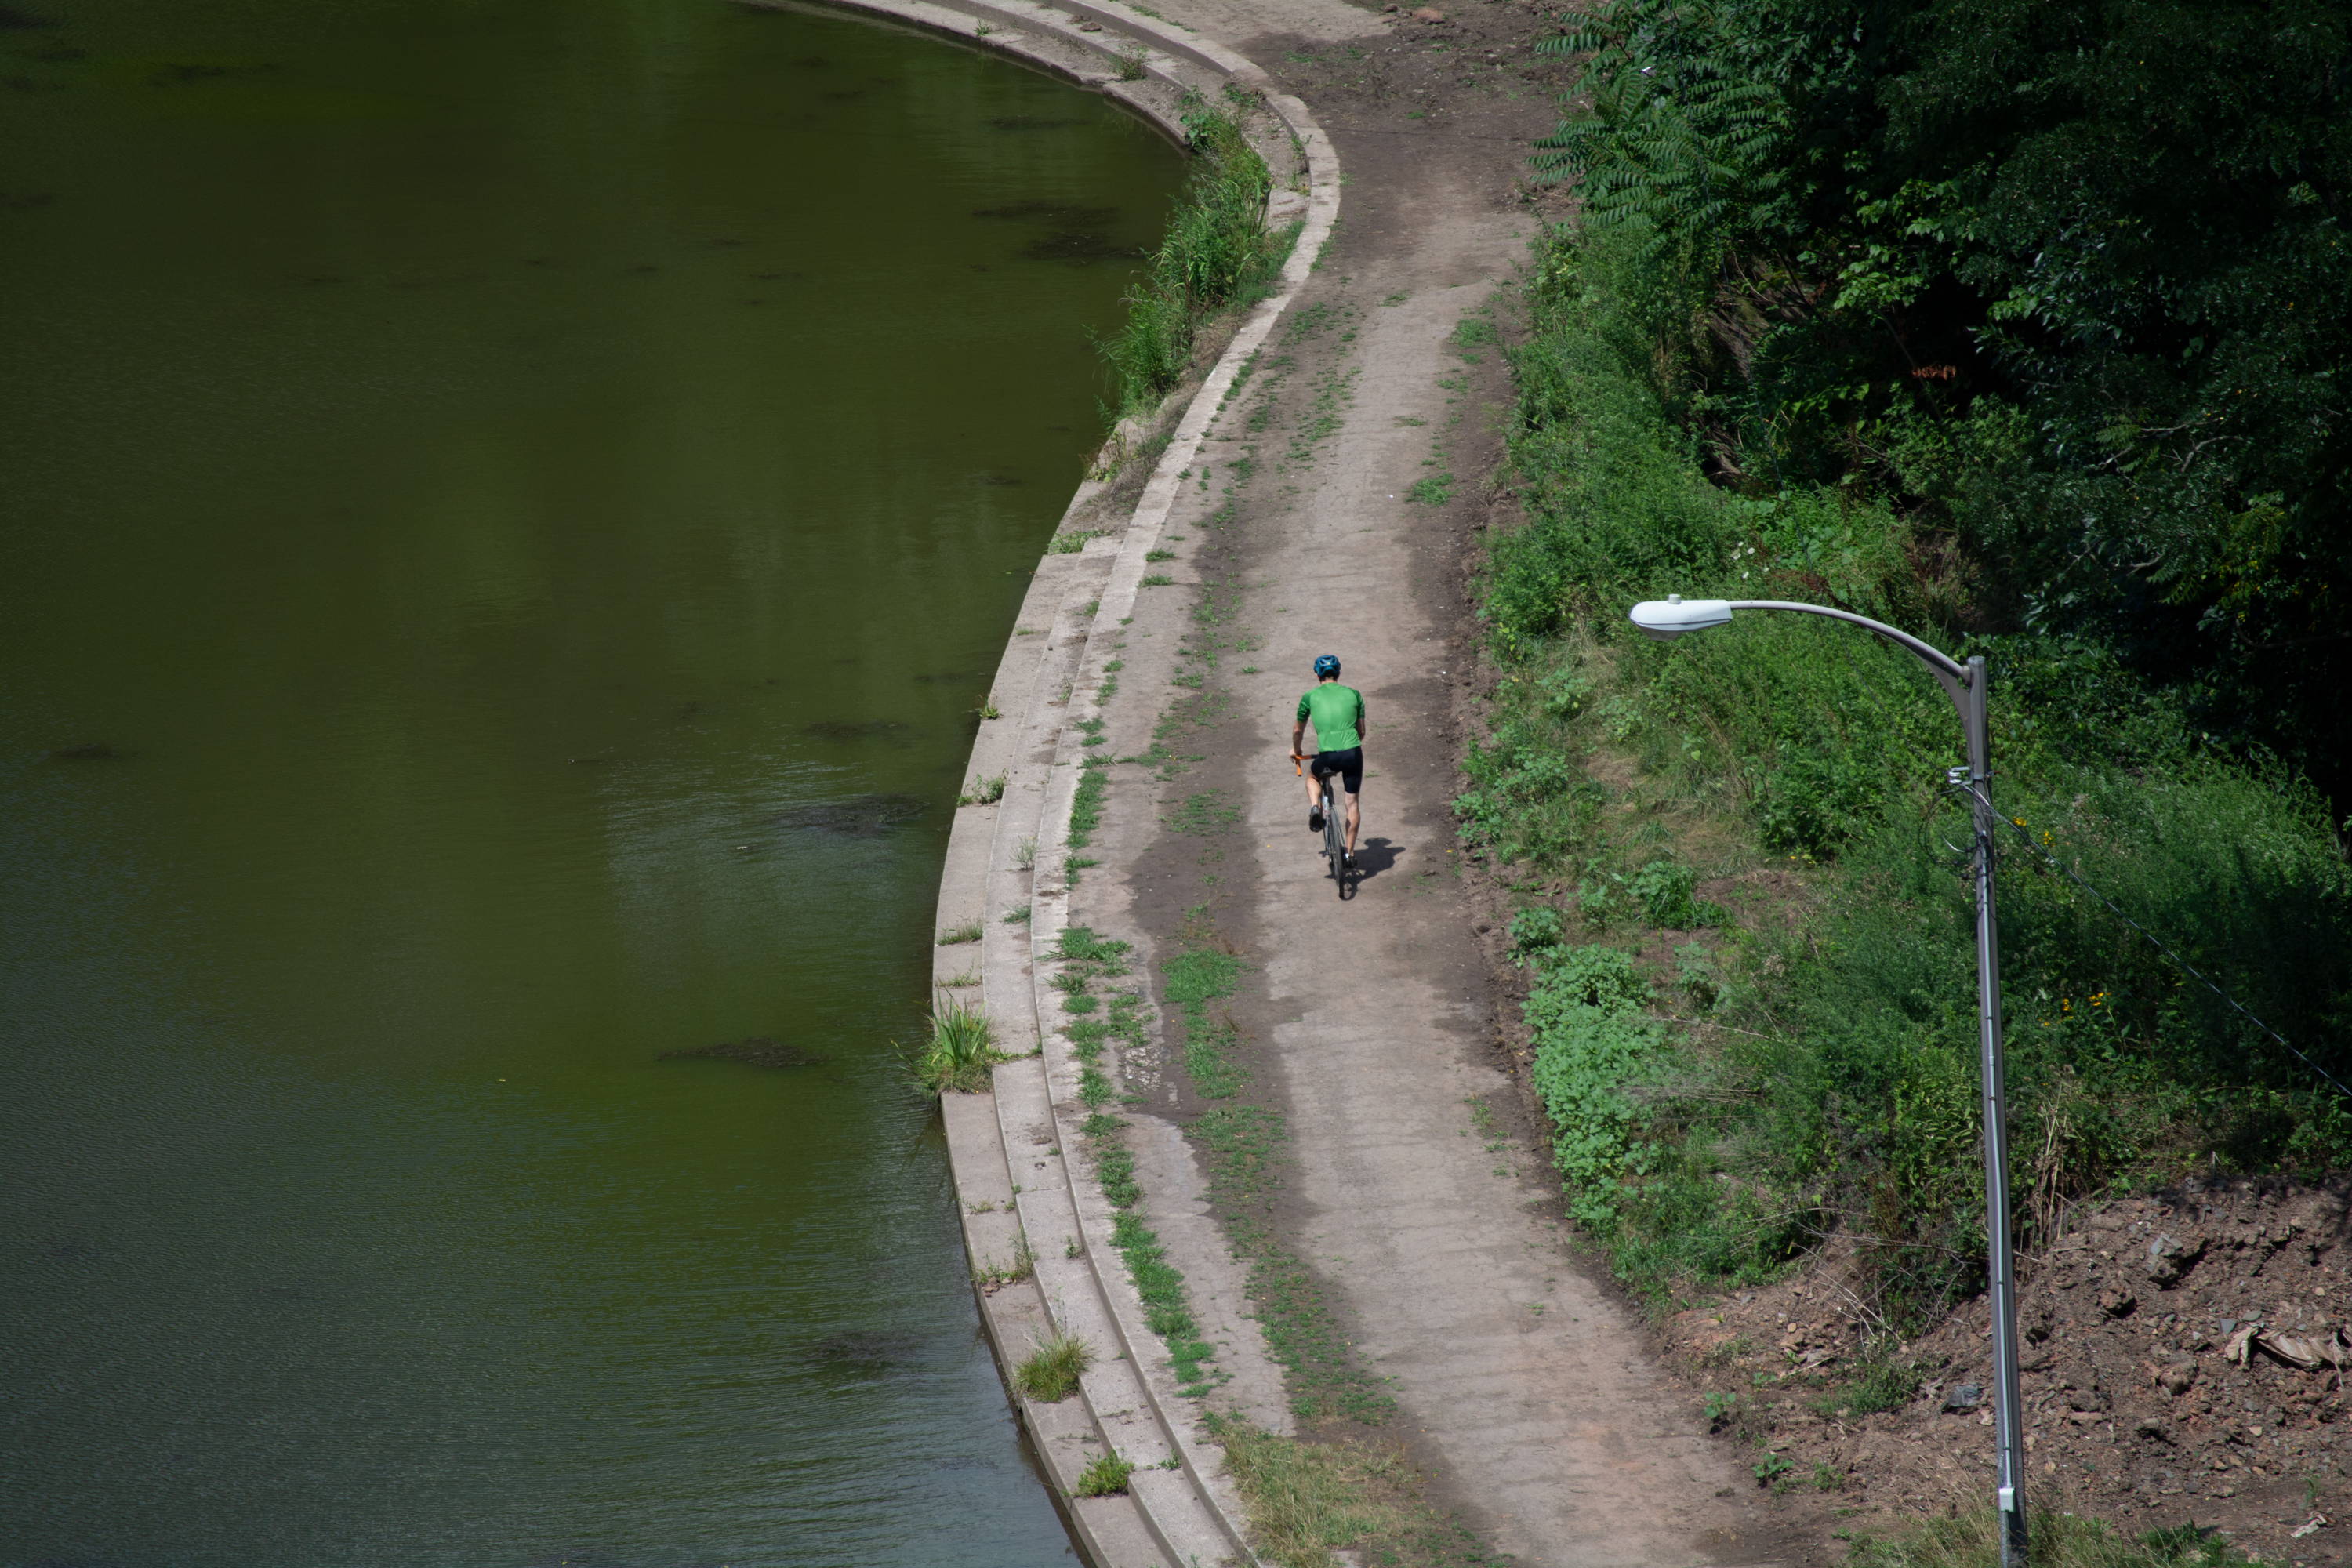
x=1337, y=712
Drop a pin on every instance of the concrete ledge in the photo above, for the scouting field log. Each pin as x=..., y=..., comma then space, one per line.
x=1010, y=1149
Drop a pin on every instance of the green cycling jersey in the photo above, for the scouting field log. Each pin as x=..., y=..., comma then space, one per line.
x=1337, y=714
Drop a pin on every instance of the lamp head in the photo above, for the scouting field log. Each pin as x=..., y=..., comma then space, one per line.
x=1668, y=618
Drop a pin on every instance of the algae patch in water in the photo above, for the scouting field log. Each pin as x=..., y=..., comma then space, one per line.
x=1075, y=246
x=867, y=730
x=1060, y=213
x=760, y=1050
x=859, y=816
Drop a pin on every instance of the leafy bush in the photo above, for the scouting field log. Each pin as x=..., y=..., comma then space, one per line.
x=1535, y=935
x=1666, y=891
x=1584, y=1013
x=2076, y=323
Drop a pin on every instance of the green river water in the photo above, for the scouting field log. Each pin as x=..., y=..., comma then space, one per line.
x=506, y=510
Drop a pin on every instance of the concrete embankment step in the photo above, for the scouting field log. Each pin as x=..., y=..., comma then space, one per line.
x=1007, y=1148
x=1025, y=1210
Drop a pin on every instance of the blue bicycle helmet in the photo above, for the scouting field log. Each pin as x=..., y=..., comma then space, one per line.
x=1326, y=665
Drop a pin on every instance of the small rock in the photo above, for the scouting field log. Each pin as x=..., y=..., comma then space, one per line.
x=1964, y=1396
x=2168, y=1259
x=2148, y=1426
x=2179, y=1377
x=2117, y=1302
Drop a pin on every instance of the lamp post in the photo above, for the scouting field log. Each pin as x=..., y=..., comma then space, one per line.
x=1965, y=685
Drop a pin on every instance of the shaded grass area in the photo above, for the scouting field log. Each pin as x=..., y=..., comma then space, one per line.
x=1242, y=1146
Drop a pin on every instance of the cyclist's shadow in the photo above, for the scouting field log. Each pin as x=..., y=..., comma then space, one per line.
x=1374, y=855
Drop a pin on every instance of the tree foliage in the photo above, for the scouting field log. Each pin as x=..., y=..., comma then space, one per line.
x=2061, y=282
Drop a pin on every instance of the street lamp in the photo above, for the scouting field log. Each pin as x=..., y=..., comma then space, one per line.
x=1965, y=685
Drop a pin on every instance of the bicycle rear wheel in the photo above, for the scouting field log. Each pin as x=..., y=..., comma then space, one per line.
x=1334, y=836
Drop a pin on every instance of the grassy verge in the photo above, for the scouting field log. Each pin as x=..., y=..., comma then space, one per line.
x=1087, y=960
x=1971, y=1538
x=1217, y=253
x=1195, y=979
x=1816, y=1078
x=1308, y=1499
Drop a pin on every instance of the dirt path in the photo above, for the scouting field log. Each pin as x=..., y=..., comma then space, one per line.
x=1522, y=1387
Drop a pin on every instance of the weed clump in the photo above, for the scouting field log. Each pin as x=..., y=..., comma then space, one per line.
x=1105, y=1475
x=1050, y=1373
x=961, y=1050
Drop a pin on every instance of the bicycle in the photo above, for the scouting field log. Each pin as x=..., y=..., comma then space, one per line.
x=1335, y=832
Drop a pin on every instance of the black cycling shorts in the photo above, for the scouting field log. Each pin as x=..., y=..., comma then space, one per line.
x=1349, y=764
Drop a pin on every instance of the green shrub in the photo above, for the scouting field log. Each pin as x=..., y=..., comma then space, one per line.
x=1584, y=1014
x=1667, y=898
x=1537, y=935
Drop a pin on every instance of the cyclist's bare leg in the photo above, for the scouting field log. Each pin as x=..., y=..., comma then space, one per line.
x=1314, y=790
x=1351, y=824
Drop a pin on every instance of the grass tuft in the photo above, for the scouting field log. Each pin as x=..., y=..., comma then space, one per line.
x=1051, y=1371
x=951, y=935
x=1105, y=1476
x=962, y=1048
x=1023, y=1267
x=983, y=792
x=1085, y=802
